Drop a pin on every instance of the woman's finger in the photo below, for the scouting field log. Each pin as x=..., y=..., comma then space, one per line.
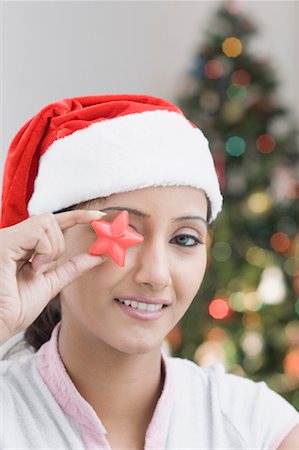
x=79, y=216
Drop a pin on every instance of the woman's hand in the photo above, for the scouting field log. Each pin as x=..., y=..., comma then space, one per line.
x=29, y=274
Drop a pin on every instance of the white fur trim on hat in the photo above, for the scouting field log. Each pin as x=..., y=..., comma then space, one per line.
x=152, y=148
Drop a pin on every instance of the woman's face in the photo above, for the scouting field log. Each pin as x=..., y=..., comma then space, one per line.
x=167, y=265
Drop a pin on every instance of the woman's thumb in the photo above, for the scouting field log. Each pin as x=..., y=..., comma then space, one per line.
x=72, y=269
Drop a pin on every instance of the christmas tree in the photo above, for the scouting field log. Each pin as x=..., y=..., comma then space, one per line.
x=245, y=314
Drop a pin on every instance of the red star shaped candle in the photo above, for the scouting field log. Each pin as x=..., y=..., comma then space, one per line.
x=114, y=238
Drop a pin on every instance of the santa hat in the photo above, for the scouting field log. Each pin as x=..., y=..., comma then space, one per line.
x=77, y=149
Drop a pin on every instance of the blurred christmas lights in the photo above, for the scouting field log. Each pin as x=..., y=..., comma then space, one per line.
x=236, y=301
x=251, y=320
x=209, y=100
x=280, y=242
x=252, y=343
x=252, y=301
x=256, y=256
x=272, y=288
x=232, y=47
x=290, y=265
x=265, y=143
x=232, y=112
x=291, y=363
x=235, y=146
x=241, y=78
x=214, y=69
x=259, y=203
x=292, y=333
x=236, y=93
x=219, y=309
x=221, y=251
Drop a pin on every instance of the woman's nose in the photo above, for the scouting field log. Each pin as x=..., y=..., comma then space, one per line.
x=152, y=266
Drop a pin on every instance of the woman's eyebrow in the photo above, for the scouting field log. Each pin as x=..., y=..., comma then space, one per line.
x=138, y=213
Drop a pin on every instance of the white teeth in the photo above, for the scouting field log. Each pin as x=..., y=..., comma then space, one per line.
x=140, y=305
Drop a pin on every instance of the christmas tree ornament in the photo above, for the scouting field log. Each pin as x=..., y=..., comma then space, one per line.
x=114, y=238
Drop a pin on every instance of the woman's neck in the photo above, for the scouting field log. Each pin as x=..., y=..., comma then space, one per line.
x=123, y=389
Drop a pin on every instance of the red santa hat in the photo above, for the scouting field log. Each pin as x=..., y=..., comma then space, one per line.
x=77, y=149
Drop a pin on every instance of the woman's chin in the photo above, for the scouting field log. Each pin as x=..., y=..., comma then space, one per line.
x=138, y=347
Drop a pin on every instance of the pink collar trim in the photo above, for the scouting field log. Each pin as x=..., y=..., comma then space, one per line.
x=58, y=381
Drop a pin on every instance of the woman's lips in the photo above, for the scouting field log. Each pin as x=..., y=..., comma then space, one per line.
x=138, y=313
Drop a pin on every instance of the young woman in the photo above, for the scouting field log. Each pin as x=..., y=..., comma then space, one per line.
x=95, y=374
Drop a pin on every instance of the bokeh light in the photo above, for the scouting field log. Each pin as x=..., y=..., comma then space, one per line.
x=290, y=265
x=251, y=320
x=241, y=77
x=235, y=146
x=221, y=251
x=236, y=301
x=174, y=337
x=214, y=69
x=293, y=189
x=292, y=333
x=209, y=101
x=256, y=256
x=259, y=203
x=216, y=334
x=236, y=93
x=280, y=242
x=265, y=143
x=252, y=301
x=218, y=308
x=272, y=287
x=291, y=363
x=232, y=47
x=232, y=112
x=252, y=343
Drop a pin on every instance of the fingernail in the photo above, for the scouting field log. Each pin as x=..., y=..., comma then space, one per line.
x=98, y=213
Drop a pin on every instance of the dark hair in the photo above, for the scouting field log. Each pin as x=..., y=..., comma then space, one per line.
x=41, y=329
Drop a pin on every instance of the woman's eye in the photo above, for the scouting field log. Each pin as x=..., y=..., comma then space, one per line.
x=187, y=237
x=182, y=239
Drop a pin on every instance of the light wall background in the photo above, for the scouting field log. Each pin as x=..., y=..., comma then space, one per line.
x=57, y=49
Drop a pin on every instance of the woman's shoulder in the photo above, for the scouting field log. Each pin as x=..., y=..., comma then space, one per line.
x=18, y=370
x=247, y=406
